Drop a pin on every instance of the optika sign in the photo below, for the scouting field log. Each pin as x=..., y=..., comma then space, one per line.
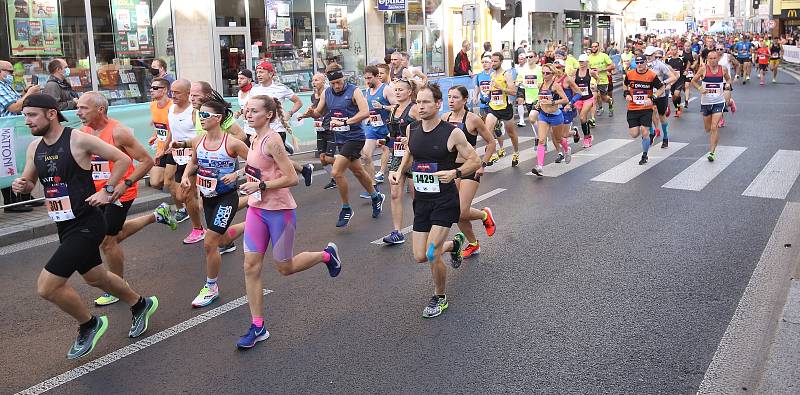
x=391, y=5
x=8, y=158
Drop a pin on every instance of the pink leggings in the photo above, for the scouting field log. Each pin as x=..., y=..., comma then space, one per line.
x=261, y=226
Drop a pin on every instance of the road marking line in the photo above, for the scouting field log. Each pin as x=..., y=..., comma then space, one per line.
x=776, y=178
x=741, y=351
x=477, y=199
x=524, y=155
x=24, y=245
x=702, y=172
x=131, y=349
x=631, y=168
x=581, y=158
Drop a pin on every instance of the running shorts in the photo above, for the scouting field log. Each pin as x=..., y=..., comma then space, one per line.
x=115, y=216
x=505, y=114
x=262, y=226
x=164, y=160
x=325, y=143
x=763, y=66
x=638, y=118
x=661, y=104
x=581, y=103
x=569, y=116
x=680, y=84
x=603, y=89
x=79, y=248
x=529, y=107
x=220, y=210
x=351, y=149
x=444, y=211
x=774, y=62
x=472, y=177
x=179, y=169
x=708, y=109
x=554, y=119
x=375, y=135
x=744, y=60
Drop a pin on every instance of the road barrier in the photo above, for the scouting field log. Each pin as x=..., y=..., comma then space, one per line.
x=791, y=54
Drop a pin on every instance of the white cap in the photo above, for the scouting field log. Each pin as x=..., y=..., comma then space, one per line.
x=560, y=62
x=650, y=50
x=583, y=58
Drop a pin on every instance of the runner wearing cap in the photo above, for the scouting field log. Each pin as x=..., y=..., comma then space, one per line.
x=583, y=79
x=244, y=80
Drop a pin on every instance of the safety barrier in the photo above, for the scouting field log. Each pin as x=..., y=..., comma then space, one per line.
x=791, y=54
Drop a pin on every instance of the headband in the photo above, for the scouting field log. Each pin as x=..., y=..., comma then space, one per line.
x=334, y=75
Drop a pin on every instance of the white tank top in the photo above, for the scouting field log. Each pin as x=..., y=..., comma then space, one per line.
x=181, y=124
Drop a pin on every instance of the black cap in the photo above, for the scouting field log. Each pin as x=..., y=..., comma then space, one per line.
x=640, y=59
x=247, y=73
x=40, y=100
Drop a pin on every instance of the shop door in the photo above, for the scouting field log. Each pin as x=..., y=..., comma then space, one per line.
x=232, y=55
x=416, y=45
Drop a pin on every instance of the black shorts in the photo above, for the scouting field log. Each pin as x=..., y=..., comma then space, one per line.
x=444, y=211
x=744, y=60
x=603, y=89
x=520, y=92
x=115, y=216
x=505, y=114
x=179, y=169
x=164, y=160
x=661, y=104
x=220, y=210
x=680, y=84
x=472, y=177
x=351, y=149
x=325, y=143
x=763, y=67
x=638, y=118
x=79, y=248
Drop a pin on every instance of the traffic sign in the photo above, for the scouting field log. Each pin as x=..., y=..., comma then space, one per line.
x=469, y=14
x=771, y=24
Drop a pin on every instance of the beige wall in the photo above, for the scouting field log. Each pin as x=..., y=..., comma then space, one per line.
x=376, y=43
x=193, y=37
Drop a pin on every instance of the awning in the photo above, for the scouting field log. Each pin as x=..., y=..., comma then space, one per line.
x=591, y=12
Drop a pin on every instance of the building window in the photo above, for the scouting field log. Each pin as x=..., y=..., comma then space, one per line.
x=281, y=31
x=434, y=41
x=543, y=30
x=339, y=36
x=230, y=13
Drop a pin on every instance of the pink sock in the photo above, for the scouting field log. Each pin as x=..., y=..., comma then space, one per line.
x=258, y=321
x=326, y=256
x=564, y=144
x=540, y=155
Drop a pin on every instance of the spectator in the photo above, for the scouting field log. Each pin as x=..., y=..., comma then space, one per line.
x=158, y=68
x=487, y=50
x=522, y=49
x=58, y=87
x=462, y=65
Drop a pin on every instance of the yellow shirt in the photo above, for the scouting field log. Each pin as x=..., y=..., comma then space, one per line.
x=498, y=99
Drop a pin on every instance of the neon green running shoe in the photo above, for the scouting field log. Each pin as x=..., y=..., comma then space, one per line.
x=712, y=156
x=456, y=256
x=436, y=306
x=87, y=339
x=106, y=299
x=164, y=216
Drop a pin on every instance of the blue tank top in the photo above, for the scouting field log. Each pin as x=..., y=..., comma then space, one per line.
x=484, y=81
x=212, y=165
x=341, y=106
x=376, y=123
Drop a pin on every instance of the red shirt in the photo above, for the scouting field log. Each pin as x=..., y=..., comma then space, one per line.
x=762, y=55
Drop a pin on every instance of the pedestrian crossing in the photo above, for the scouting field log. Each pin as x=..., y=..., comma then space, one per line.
x=702, y=172
x=776, y=179
x=631, y=168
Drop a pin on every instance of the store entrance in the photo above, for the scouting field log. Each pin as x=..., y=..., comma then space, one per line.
x=232, y=55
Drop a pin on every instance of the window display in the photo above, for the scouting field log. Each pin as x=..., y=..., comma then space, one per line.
x=339, y=37
x=281, y=32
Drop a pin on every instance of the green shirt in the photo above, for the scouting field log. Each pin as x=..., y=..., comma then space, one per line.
x=600, y=61
x=530, y=78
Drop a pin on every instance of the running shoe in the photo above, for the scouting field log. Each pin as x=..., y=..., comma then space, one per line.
x=669, y=111
x=344, y=217
x=678, y=112
x=330, y=185
x=600, y=110
x=587, y=141
x=664, y=143
x=761, y=83
x=733, y=106
x=774, y=81
x=365, y=195
x=488, y=223
x=227, y=248
x=436, y=306
x=181, y=215
x=722, y=122
x=379, y=178
x=472, y=249
x=494, y=158
x=196, y=236
x=576, y=137
x=394, y=238
x=560, y=157
x=141, y=319
x=568, y=155
x=87, y=339
x=206, y=296
x=164, y=216
x=538, y=171
x=711, y=156
x=458, y=248
x=106, y=299
x=306, y=172
x=611, y=109
x=521, y=124
x=592, y=122
x=501, y=153
x=515, y=159
x=658, y=132
x=377, y=205
x=253, y=336
x=334, y=264
x=643, y=160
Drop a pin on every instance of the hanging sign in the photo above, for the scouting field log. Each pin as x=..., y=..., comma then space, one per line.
x=33, y=27
x=391, y=5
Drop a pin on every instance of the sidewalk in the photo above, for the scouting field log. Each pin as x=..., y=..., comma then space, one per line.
x=782, y=369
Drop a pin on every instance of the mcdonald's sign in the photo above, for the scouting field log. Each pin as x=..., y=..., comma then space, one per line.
x=791, y=13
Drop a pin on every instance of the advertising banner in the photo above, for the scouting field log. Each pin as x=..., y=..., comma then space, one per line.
x=33, y=27
x=133, y=33
x=391, y=5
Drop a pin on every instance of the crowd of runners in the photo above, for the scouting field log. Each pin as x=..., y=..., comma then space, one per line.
x=214, y=161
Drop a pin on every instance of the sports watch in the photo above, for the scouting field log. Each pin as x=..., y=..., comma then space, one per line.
x=108, y=188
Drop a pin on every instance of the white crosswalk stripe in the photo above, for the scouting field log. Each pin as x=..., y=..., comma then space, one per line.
x=505, y=162
x=631, y=168
x=583, y=157
x=702, y=172
x=776, y=178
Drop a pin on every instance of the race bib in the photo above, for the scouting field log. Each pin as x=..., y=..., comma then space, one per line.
x=530, y=81
x=424, y=180
x=761, y=56
x=253, y=175
x=375, y=119
x=101, y=168
x=775, y=56
x=584, y=90
x=640, y=99
x=485, y=87
x=182, y=156
x=497, y=97
x=318, y=126
x=545, y=98
x=207, y=181
x=399, y=149
x=343, y=128
x=161, y=132
x=59, y=207
x=713, y=89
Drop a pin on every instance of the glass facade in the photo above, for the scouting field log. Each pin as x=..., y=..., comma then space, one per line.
x=340, y=36
x=419, y=30
x=111, y=54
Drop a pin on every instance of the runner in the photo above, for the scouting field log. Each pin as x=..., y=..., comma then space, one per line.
x=500, y=109
x=561, y=132
x=642, y=87
x=201, y=92
x=214, y=170
x=386, y=153
x=602, y=64
x=678, y=63
x=326, y=144
x=529, y=78
x=690, y=58
x=271, y=215
x=92, y=111
x=714, y=79
x=483, y=82
x=378, y=100
x=667, y=76
x=61, y=160
x=244, y=80
x=433, y=146
x=744, y=55
x=583, y=79
x=159, y=108
x=346, y=106
x=472, y=126
x=403, y=114
x=763, y=54
x=551, y=97
x=775, y=55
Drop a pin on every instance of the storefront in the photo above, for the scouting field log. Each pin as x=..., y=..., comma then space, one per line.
x=108, y=44
x=416, y=27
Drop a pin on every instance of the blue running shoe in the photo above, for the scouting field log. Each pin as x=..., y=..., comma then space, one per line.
x=87, y=339
x=306, y=173
x=344, y=217
x=253, y=336
x=377, y=205
x=394, y=238
x=334, y=264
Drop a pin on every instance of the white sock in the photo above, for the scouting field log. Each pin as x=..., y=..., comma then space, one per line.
x=521, y=111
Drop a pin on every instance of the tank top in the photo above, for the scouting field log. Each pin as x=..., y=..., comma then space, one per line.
x=775, y=51
x=212, y=165
x=483, y=80
x=160, y=116
x=396, y=74
x=341, y=107
x=66, y=184
x=713, y=83
x=321, y=124
x=471, y=138
x=498, y=100
x=262, y=167
x=376, y=123
x=102, y=167
x=584, y=82
x=431, y=155
x=182, y=127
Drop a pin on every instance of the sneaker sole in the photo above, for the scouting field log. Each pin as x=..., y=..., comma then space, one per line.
x=197, y=306
x=491, y=215
x=97, y=336
x=392, y=243
x=259, y=339
x=227, y=251
x=181, y=220
x=435, y=315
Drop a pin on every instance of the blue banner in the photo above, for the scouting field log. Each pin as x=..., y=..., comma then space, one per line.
x=391, y=5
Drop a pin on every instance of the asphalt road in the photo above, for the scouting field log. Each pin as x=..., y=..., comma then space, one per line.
x=588, y=286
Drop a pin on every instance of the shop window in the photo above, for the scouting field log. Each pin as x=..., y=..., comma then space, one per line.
x=434, y=40
x=128, y=35
x=281, y=31
x=39, y=31
x=394, y=30
x=230, y=13
x=339, y=36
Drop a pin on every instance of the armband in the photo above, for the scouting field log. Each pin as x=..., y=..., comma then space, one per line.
x=575, y=98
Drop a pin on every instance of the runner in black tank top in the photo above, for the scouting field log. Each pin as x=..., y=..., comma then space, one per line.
x=433, y=146
x=58, y=160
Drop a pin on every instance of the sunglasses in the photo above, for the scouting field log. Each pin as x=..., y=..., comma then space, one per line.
x=547, y=72
x=206, y=115
x=530, y=57
x=155, y=88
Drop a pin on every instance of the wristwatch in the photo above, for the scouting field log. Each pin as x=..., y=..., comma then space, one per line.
x=458, y=173
x=262, y=186
x=128, y=183
x=109, y=188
